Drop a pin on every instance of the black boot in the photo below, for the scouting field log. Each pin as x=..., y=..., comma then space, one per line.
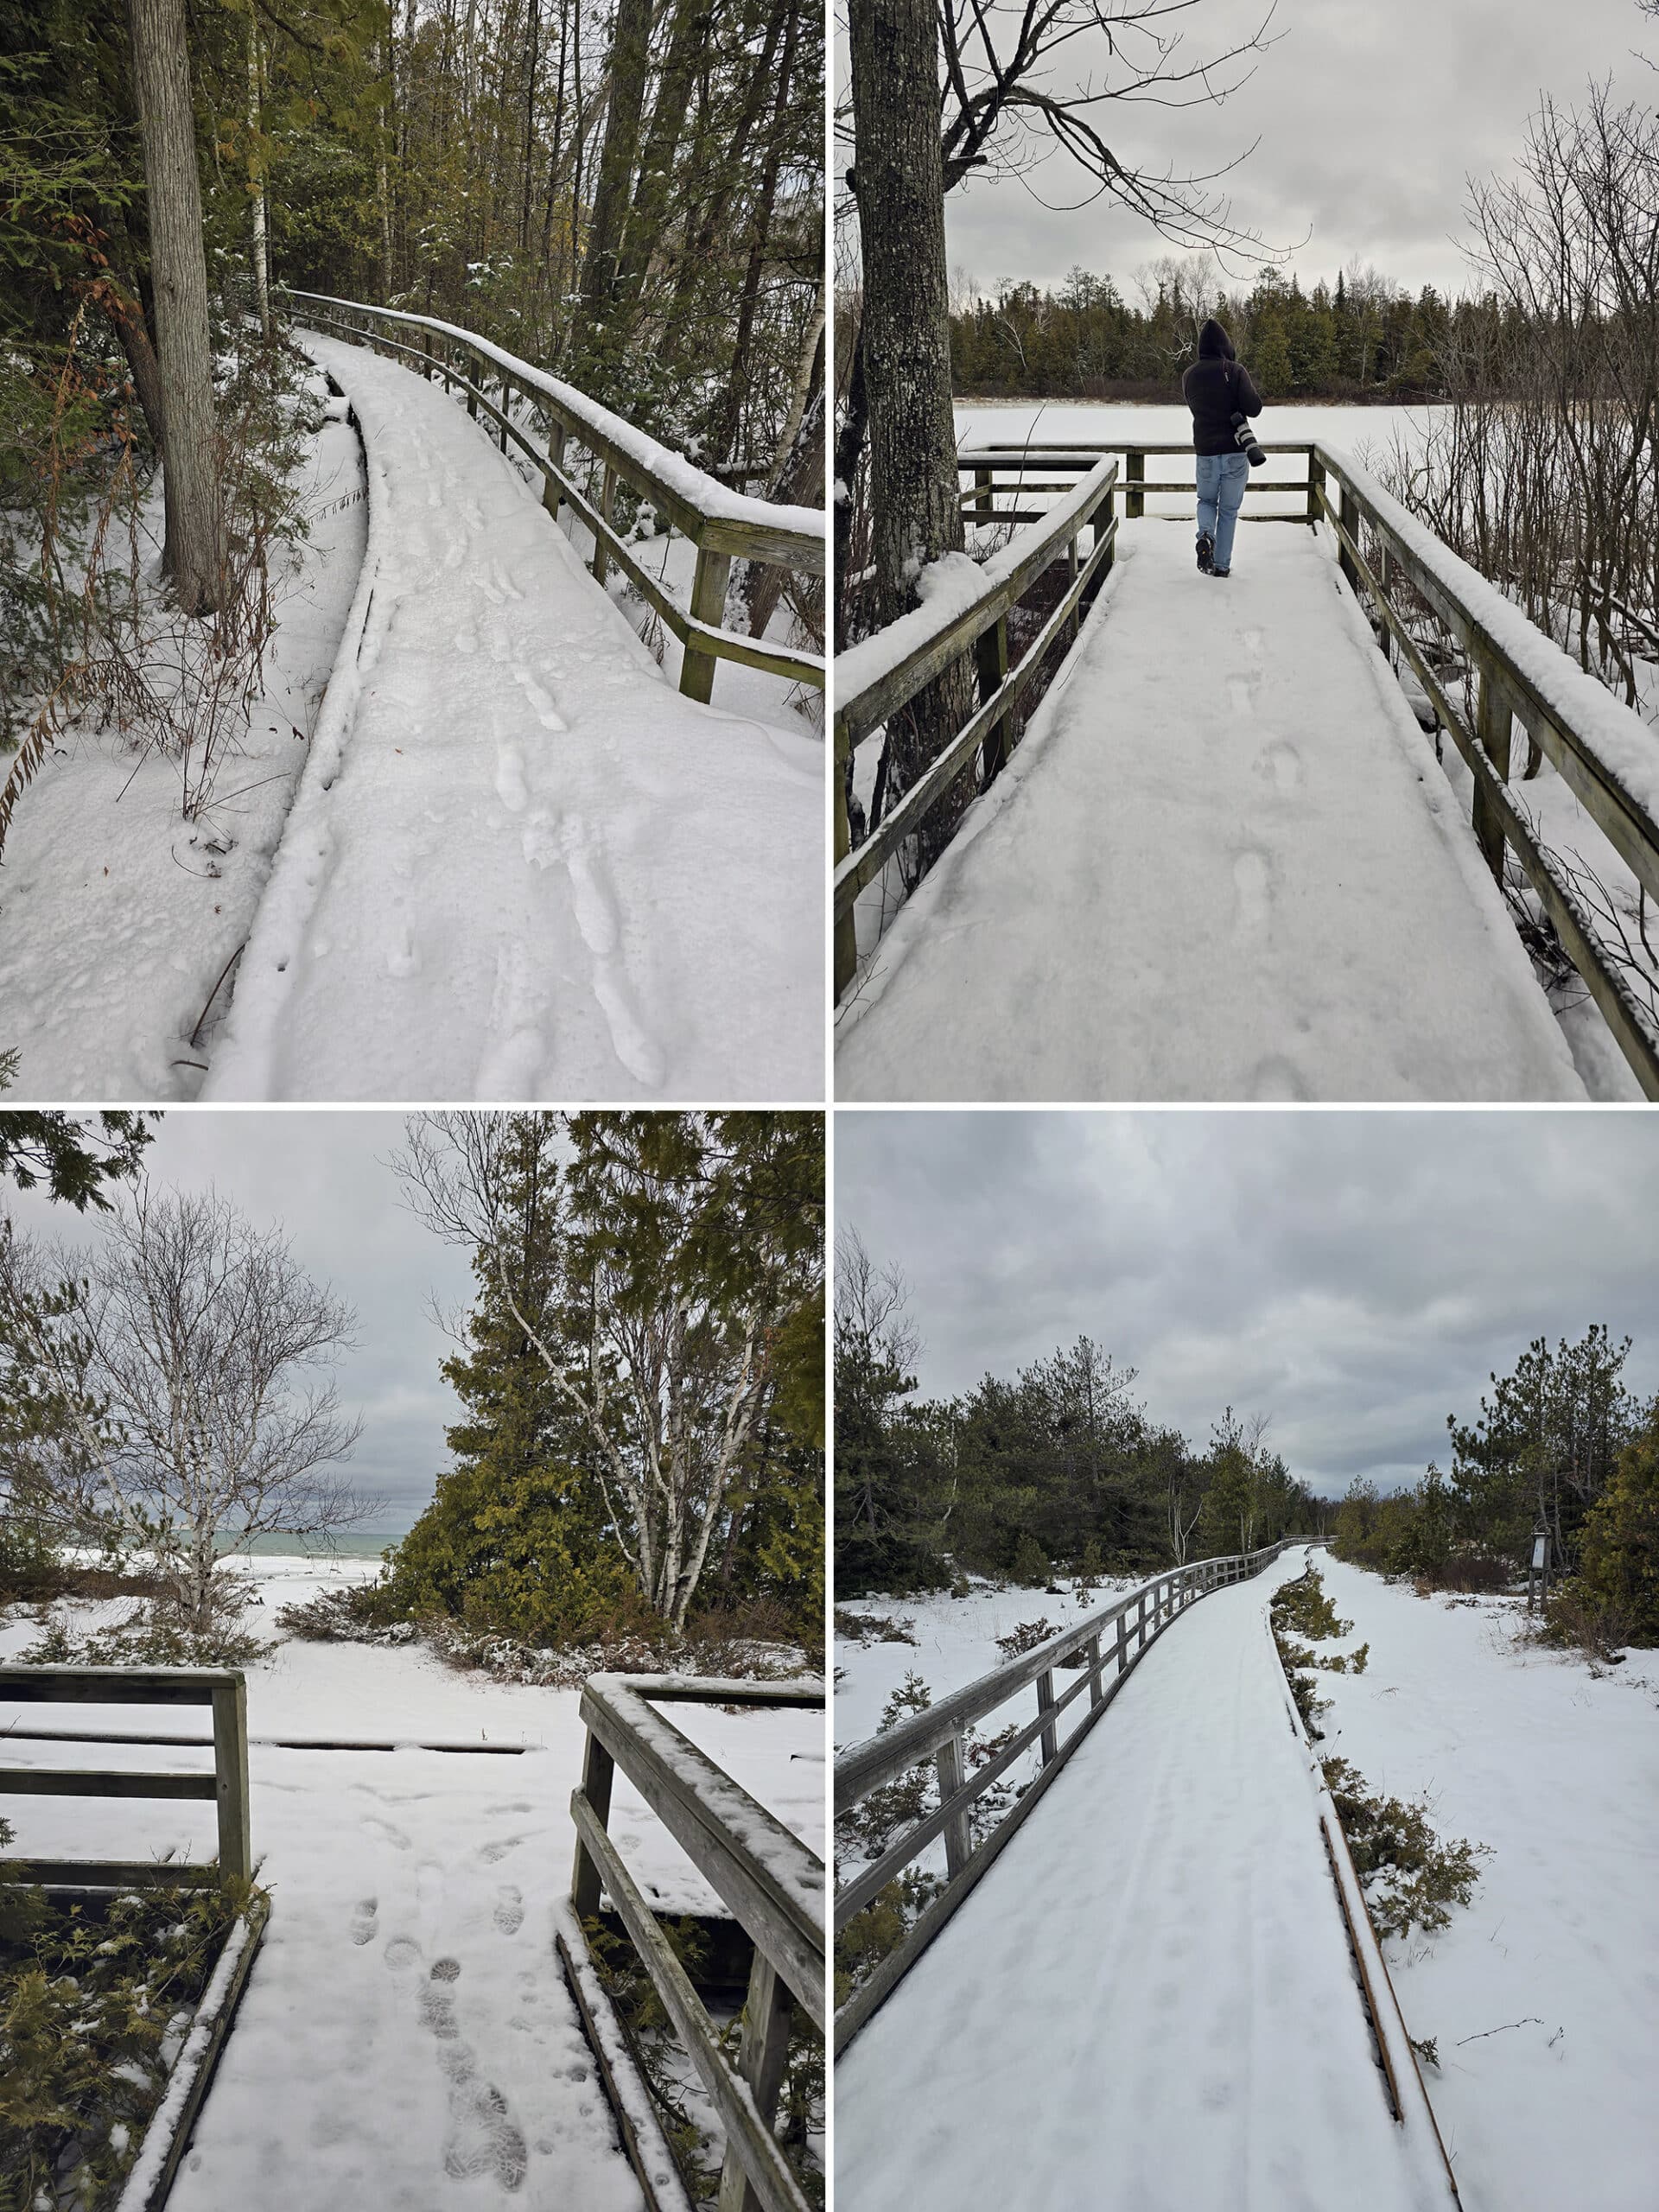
x=1207, y=549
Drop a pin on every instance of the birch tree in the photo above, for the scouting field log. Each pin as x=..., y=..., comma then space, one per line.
x=164, y=1395
x=685, y=1244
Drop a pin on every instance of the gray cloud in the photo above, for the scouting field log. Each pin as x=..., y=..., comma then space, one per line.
x=1369, y=119
x=319, y=1175
x=1356, y=1275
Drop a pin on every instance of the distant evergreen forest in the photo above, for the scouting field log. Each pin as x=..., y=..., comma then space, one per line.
x=1061, y=1469
x=1367, y=339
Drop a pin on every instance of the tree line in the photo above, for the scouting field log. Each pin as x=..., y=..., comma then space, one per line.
x=1560, y=1454
x=1058, y=1470
x=1364, y=338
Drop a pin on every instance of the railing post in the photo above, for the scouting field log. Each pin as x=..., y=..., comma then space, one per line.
x=991, y=657
x=1141, y=1620
x=426, y=349
x=1135, y=501
x=707, y=605
x=1095, y=1690
x=948, y=1760
x=1071, y=578
x=1492, y=729
x=598, y=1768
x=472, y=393
x=1315, y=486
x=1100, y=523
x=1350, y=514
x=1123, y=1640
x=230, y=1777
x=601, y=551
x=1045, y=1704
x=762, y=2055
x=552, y=497
x=506, y=393
x=984, y=499
x=846, y=927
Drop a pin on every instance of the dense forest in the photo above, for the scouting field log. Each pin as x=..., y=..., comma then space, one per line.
x=1366, y=340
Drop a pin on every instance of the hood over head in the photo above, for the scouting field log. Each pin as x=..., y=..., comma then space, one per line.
x=1214, y=344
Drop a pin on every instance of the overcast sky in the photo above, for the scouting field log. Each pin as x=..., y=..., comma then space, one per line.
x=1358, y=1276
x=1369, y=117
x=319, y=1176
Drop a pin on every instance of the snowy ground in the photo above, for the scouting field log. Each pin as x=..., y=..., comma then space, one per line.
x=407, y=2040
x=1221, y=864
x=1148, y=2003
x=520, y=866
x=1558, y=1949
x=1364, y=431
x=117, y=916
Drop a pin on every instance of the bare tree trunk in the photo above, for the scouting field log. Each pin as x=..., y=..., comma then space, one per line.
x=191, y=553
x=687, y=40
x=530, y=121
x=128, y=318
x=630, y=63
x=905, y=340
x=725, y=441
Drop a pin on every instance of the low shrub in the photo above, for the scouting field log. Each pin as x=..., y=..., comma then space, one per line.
x=1302, y=1605
x=1025, y=1636
x=95, y=2006
x=1410, y=1876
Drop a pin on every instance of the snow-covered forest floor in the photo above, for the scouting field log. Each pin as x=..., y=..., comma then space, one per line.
x=407, y=2039
x=117, y=915
x=1556, y=1768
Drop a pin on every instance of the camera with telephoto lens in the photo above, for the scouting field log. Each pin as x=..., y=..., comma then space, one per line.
x=1244, y=439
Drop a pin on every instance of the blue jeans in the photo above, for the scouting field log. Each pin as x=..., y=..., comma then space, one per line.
x=1222, y=479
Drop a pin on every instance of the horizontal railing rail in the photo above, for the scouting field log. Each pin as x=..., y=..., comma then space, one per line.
x=939, y=1735
x=988, y=465
x=721, y=522
x=877, y=678
x=1527, y=680
x=773, y=1883
x=223, y=1688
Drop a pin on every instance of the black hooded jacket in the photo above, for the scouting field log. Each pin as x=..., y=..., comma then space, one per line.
x=1216, y=387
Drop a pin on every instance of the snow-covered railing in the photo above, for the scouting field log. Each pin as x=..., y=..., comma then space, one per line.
x=722, y=524
x=967, y=606
x=989, y=464
x=223, y=1688
x=939, y=1734
x=771, y=1882
x=1604, y=754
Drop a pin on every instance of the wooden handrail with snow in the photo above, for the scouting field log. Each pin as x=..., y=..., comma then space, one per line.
x=940, y=1734
x=771, y=1881
x=722, y=524
x=875, y=678
x=1604, y=752
x=223, y=1688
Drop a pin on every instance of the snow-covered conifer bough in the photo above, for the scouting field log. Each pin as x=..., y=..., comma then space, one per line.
x=519, y=865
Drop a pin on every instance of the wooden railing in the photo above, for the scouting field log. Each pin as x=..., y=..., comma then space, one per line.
x=1000, y=469
x=222, y=1689
x=771, y=1882
x=722, y=524
x=875, y=680
x=939, y=1734
x=1554, y=718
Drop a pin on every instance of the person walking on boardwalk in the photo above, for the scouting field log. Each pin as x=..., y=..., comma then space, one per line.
x=1217, y=388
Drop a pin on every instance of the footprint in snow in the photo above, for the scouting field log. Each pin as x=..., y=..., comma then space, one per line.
x=1275, y=1079
x=484, y=2138
x=546, y=711
x=365, y=1920
x=509, y=1914
x=402, y=1951
x=490, y=1852
x=393, y=1835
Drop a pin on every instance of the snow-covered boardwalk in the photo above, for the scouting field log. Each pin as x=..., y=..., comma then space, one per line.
x=1223, y=865
x=520, y=865
x=1148, y=2004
